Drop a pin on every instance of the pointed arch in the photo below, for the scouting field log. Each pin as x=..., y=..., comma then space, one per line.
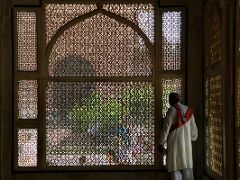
x=118, y=18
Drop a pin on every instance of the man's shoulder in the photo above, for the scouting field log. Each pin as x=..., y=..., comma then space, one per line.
x=186, y=108
x=172, y=109
x=183, y=106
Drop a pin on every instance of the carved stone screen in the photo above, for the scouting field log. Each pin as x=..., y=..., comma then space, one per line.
x=58, y=15
x=27, y=99
x=93, y=96
x=100, y=123
x=100, y=46
x=26, y=41
x=214, y=126
x=27, y=147
x=141, y=14
x=213, y=87
x=168, y=86
x=172, y=40
x=26, y=87
x=215, y=39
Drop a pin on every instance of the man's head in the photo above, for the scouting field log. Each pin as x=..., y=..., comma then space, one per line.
x=174, y=98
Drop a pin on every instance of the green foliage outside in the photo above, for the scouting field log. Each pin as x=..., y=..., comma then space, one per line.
x=139, y=101
x=97, y=109
x=137, y=104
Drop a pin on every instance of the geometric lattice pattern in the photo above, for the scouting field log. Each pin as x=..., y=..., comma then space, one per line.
x=94, y=123
x=57, y=15
x=214, y=126
x=26, y=41
x=171, y=40
x=99, y=123
x=140, y=14
x=100, y=46
x=27, y=147
x=168, y=86
x=216, y=39
x=213, y=93
x=27, y=99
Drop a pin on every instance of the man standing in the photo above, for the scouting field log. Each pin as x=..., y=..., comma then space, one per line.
x=179, y=130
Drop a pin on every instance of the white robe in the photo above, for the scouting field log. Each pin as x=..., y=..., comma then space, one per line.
x=179, y=141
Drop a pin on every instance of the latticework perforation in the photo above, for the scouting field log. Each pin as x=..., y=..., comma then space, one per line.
x=216, y=39
x=207, y=124
x=27, y=99
x=100, y=123
x=214, y=145
x=100, y=46
x=168, y=86
x=26, y=41
x=141, y=14
x=57, y=15
x=171, y=40
x=27, y=147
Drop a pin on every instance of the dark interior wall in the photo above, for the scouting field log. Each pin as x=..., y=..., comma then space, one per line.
x=229, y=8
x=195, y=83
x=194, y=97
x=6, y=88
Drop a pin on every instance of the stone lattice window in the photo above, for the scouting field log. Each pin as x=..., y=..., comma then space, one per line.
x=213, y=93
x=86, y=89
